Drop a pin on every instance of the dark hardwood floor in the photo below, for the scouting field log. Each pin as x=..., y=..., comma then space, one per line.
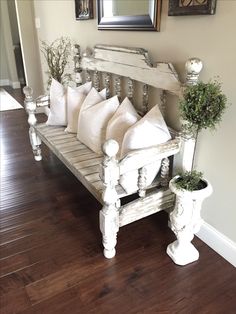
x=51, y=254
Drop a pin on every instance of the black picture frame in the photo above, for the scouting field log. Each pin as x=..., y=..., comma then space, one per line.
x=206, y=8
x=131, y=23
x=83, y=9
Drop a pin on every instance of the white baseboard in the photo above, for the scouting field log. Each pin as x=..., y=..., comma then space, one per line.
x=15, y=84
x=218, y=242
x=6, y=82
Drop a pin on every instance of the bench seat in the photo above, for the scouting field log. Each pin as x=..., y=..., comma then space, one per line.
x=78, y=158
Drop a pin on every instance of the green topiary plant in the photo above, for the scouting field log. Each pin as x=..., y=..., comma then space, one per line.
x=202, y=106
x=57, y=56
x=190, y=180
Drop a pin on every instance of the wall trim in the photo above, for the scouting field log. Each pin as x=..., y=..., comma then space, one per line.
x=15, y=84
x=218, y=242
x=5, y=82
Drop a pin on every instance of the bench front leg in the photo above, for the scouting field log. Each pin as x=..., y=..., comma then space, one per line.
x=109, y=215
x=30, y=107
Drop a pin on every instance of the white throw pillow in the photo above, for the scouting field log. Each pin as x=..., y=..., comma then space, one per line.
x=151, y=130
x=93, y=119
x=75, y=98
x=57, y=114
x=124, y=117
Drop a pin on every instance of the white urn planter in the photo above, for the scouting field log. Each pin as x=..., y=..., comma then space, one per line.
x=185, y=221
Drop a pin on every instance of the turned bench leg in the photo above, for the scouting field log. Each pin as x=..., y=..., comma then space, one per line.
x=109, y=226
x=35, y=143
x=30, y=107
x=109, y=215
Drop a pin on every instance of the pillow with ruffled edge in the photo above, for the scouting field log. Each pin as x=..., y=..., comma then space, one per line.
x=75, y=99
x=149, y=131
x=57, y=114
x=124, y=117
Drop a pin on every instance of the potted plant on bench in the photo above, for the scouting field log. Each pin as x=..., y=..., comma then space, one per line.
x=202, y=107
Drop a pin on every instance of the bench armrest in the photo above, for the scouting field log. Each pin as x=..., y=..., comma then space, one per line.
x=42, y=101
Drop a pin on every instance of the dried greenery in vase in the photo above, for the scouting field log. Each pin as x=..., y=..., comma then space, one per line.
x=57, y=56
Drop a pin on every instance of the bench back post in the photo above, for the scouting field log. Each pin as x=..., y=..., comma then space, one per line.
x=193, y=68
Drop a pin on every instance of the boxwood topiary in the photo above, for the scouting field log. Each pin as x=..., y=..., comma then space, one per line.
x=202, y=106
x=190, y=180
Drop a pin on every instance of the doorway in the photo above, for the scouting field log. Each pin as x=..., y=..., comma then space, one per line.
x=20, y=58
x=16, y=42
x=29, y=45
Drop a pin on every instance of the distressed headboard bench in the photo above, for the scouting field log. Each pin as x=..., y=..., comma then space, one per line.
x=108, y=66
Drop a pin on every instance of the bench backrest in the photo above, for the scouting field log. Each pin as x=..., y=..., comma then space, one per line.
x=121, y=69
x=118, y=69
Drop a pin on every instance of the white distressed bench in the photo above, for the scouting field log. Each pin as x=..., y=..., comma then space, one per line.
x=100, y=173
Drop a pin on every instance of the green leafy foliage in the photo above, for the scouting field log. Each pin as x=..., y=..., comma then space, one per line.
x=202, y=106
x=190, y=180
x=57, y=56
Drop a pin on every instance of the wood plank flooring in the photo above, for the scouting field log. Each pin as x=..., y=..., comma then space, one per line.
x=51, y=254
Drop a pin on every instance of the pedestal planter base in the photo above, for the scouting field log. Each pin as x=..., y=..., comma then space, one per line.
x=185, y=221
x=182, y=255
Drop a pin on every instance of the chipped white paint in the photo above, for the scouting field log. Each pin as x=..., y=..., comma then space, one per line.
x=100, y=174
x=135, y=64
x=185, y=221
x=143, y=207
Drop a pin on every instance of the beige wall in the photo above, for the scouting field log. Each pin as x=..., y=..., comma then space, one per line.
x=212, y=38
x=13, y=22
x=4, y=71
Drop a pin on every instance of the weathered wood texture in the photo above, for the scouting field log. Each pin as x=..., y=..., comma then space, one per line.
x=51, y=258
x=78, y=158
x=85, y=164
x=135, y=64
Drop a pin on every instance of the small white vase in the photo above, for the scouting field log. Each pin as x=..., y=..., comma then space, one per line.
x=185, y=221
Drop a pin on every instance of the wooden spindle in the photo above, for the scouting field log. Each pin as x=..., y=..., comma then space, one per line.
x=107, y=85
x=130, y=88
x=87, y=76
x=165, y=169
x=77, y=66
x=142, y=181
x=145, y=98
x=96, y=80
x=163, y=102
x=118, y=86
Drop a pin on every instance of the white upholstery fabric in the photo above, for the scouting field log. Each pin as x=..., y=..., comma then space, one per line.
x=124, y=117
x=75, y=98
x=93, y=119
x=151, y=130
x=57, y=114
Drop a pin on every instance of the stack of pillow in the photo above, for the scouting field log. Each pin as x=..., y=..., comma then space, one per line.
x=95, y=119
